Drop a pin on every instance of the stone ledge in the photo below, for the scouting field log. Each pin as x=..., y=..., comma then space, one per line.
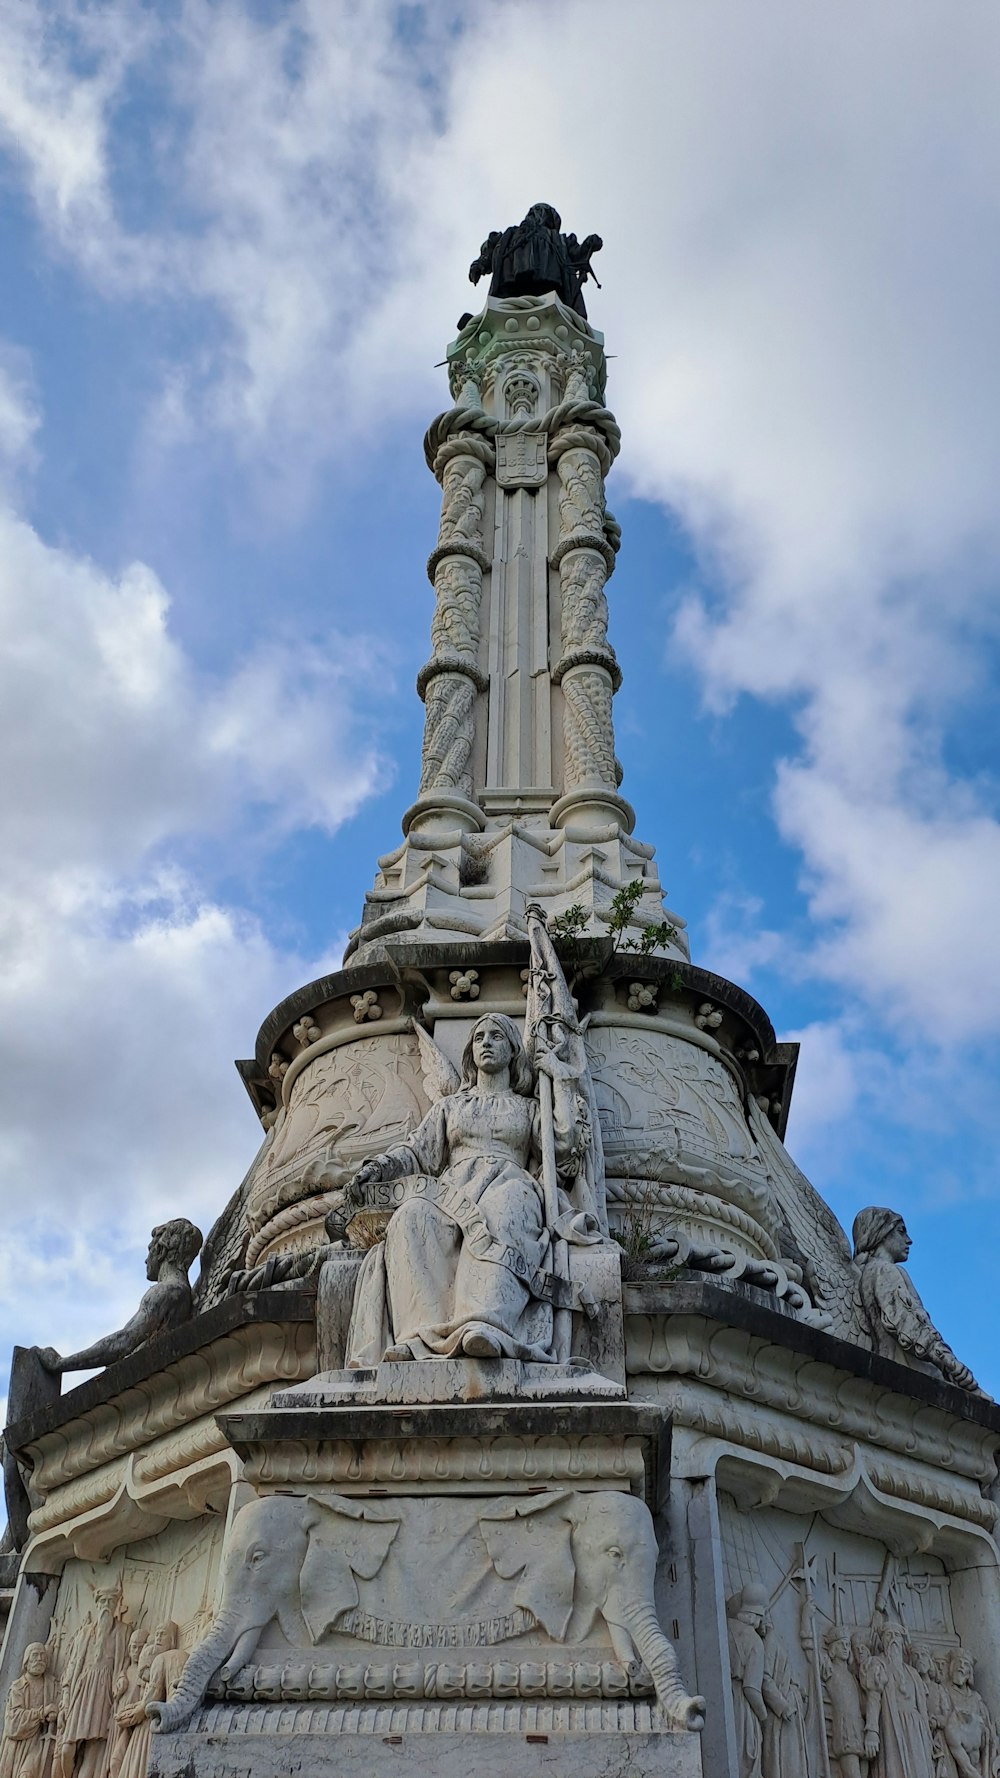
x=274, y=1307
x=366, y=1426
x=737, y=1307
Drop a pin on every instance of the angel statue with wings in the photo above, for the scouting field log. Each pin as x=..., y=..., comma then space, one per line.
x=504, y=1172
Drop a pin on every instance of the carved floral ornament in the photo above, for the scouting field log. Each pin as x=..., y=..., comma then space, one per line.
x=464, y=984
x=366, y=1006
x=642, y=997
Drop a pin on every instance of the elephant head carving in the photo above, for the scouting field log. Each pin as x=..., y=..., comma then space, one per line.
x=577, y=1555
x=294, y=1559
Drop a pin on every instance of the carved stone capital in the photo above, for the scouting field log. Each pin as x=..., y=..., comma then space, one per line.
x=451, y=662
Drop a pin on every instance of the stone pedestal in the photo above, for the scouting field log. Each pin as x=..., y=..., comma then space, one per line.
x=460, y=1580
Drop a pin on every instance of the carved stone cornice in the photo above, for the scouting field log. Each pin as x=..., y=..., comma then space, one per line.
x=508, y=1462
x=519, y=1445
x=725, y=1340
x=210, y=1362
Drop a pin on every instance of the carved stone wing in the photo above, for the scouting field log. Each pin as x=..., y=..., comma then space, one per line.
x=441, y=1077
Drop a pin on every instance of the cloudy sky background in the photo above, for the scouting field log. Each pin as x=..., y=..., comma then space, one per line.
x=235, y=238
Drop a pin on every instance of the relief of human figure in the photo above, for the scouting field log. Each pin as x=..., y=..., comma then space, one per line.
x=160, y=1678
x=473, y=1262
x=846, y=1706
x=970, y=1733
x=934, y=1678
x=745, y=1612
x=128, y=1710
x=86, y=1716
x=784, y=1750
x=872, y=1671
x=904, y=1731
x=29, y=1718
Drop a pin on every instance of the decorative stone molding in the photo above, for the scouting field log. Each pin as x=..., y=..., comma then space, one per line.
x=366, y=1006
x=199, y=1384
x=508, y=1461
x=736, y=1364
x=306, y=1677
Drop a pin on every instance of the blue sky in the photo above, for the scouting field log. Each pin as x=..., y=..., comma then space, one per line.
x=235, y=238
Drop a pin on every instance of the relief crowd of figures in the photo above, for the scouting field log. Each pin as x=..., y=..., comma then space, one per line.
x=891, y=1707
x=78, y=1709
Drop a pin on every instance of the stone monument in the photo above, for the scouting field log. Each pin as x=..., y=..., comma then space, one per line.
x=531, y=1412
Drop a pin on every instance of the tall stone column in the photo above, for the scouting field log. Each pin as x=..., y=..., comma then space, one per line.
x=519, y=796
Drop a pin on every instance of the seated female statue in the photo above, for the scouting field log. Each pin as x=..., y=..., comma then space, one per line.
x=472, y=1264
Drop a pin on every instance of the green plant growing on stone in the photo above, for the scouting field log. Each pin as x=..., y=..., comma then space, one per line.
x=567, y=927
x=641, y=1241
x=623, y=905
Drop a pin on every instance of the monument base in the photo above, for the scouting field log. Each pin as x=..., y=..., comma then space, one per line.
x=591, y=1750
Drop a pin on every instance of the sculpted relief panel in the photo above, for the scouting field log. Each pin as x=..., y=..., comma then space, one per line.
x=118, y=1641
x=845, y=1659
x=330, y=1596
x=670, y=1111
x=344, y=1106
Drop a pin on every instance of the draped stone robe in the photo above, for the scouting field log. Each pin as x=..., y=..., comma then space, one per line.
x=469, y=1248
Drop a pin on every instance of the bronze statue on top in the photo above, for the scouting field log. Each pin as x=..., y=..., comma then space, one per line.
x=534, y=257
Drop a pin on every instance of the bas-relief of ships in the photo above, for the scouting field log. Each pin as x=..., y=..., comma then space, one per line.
x=530, y=1410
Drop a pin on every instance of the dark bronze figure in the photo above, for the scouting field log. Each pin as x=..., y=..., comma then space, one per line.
x=533, y=257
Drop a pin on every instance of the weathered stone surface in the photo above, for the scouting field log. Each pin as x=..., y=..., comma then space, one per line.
x=588, y=1752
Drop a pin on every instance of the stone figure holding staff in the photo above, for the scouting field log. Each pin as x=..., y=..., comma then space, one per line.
x=499, y=1177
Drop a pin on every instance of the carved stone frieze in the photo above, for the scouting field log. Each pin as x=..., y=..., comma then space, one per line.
x=846, y=1656
x=344, y=1105
x=671, y=1113
x=563, y=1568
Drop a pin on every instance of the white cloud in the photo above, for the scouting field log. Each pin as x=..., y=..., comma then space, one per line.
x=126, y=985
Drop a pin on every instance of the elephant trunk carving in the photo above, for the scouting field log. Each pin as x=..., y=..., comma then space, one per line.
x=661, y=1659
x=289, y=1560
x=202, y=1665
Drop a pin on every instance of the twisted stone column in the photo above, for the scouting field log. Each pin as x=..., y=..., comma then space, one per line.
x=587, y=668
x=451, y=680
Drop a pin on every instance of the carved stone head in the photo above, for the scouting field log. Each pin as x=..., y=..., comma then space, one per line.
x=749, y=1606
x=878, y=1228
x=177, y=1243
x=495, y=1044
x=36, y=1659
x=961, y=1669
